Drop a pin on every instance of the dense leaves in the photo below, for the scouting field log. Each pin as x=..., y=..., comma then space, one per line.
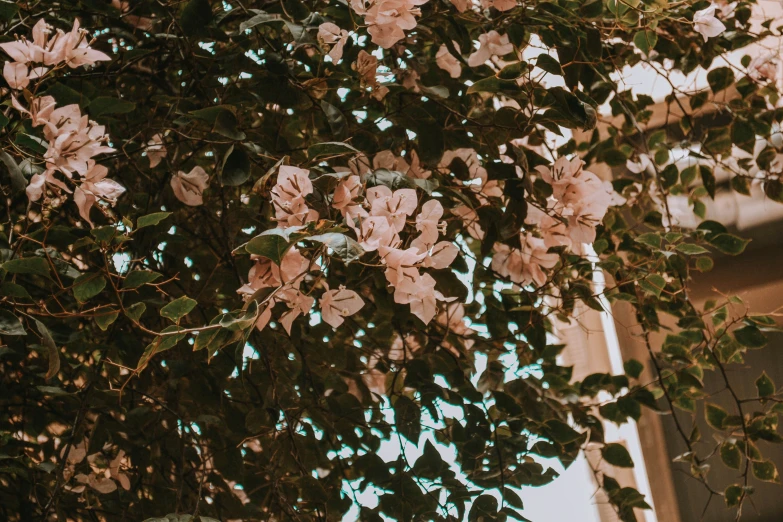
x=255, y=257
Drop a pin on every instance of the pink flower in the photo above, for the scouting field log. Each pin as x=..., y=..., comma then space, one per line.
x=287, y=277
x=461, y=5
x=189, y=188
x=387, y=160
x=401, y=269
x=337, y=304
x=524, y=266
x=41, y=109
x=47, y=48
x=367, y=66
x=490, y=44
x=330, y=34
x=76, y=49
x=345, y=198
x=16, y=74
x=765, y=67
x=428, y=224
x=394, y=206
x=441, y=255
x=376, y=232
x=387, y=20
x=416, y=171
x=500, y=5
x=95, y=187
x=470, y=220
x=156, y=150
x=73, y=140
x=288, y=197
x=561, y=175
x=448, y=62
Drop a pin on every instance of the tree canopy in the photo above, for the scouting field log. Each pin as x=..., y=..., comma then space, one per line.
x=244, y=243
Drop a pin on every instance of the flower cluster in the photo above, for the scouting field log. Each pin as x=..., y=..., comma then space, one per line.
x=387, y=20
x=48, y=49
x=73, y=139
x=378, y=222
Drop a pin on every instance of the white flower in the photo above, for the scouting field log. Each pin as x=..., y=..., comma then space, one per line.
x=706, y=24
x=637, y=167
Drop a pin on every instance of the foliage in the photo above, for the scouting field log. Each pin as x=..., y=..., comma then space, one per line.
x=293, y=228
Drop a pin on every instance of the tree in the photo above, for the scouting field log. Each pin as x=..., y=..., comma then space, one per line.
x=244, y=243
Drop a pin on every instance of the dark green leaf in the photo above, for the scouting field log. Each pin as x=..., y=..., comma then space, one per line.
x=139, y=278
x=178, y=308
x=151, y=219
x=236, y=167
x=10, y=324
x=765, y=385
x=731, y=455
x=616, y=455
x=27, y=265
x=106, y=105
x=343, y=246
x=53, y=353
x=88, y=286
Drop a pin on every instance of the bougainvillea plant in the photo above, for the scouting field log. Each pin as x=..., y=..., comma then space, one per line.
x=245, y=243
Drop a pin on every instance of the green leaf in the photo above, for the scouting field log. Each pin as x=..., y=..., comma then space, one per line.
x=135, y=311
x=729, y=244
x=139, y=278
x=653, y=284
x=51, y=349
x=715, y=415
x=195, y=17
x=18, y=182
x=549, y=64
x=88, y=286
x=750, y=336
x=766, y=471
x=765, y=385
x=10, y=324
x=272, y=244
x=633, y=368
x=731, y=455
x=616, y=455
x=8, y=10
x=178, y=308
x=691, y=249
x=650, y=239
x=107, y=105
x=33, y=143
x=27, y=265
x=732, y=495
x=337, y=122
x=151, y=219
x=493, y=84
x=261, y=18
x=561, y=432
x=223, y=121
x=704, y=264
x=645, y=41
x=236, y=167
x=343, y=246
x=14, y=290
x=407, y=418
x=105, y=319
x=720, y=78
x=330, y=148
